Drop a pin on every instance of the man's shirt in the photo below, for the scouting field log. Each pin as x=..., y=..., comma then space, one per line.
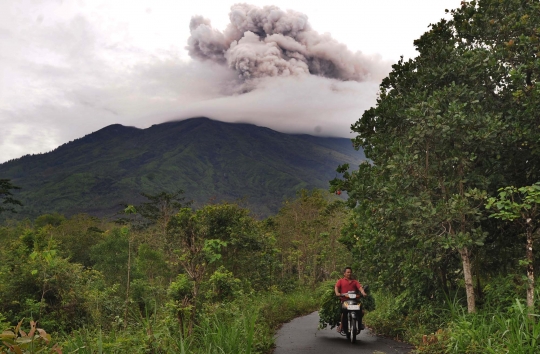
x=344, y=285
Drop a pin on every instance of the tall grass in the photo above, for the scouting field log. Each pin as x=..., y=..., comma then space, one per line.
x=500, y=326
x=245, y=326
x=233, y=336
x=496, y=332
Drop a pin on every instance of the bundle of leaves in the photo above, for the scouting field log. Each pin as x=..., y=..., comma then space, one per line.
x=330, y=311
x=369, y=301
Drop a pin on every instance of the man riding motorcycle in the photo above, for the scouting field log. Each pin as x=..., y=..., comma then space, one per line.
x=343, y=286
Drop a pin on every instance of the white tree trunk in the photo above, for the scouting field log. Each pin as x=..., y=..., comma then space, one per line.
x=469, y=288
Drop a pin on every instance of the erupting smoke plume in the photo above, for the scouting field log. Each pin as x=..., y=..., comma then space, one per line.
x=267, y=67
x=270, y=42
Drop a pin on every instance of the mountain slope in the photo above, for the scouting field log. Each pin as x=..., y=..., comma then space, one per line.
x=209, y=160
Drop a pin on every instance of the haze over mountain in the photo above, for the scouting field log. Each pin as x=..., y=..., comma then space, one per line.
x=209, y=160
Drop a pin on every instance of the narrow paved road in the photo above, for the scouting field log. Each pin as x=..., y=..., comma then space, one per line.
x=301, y=336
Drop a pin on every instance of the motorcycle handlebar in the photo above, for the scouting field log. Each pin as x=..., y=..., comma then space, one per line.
x=347, y=295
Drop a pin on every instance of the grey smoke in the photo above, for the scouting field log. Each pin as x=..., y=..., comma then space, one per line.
x=270, y=42
x=68, y=75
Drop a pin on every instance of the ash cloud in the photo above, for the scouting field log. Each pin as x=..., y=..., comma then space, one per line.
x=71, y=70
x=269, y=42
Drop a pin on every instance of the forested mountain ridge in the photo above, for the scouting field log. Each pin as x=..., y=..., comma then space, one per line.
x=209, y=160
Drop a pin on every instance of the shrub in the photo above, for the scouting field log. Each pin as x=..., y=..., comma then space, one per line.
x=15, y=340
x=222, y=285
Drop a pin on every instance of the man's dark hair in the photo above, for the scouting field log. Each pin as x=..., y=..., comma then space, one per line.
x=345, y=269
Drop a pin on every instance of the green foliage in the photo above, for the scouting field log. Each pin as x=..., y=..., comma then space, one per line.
x=523, y=204
x=16, y=340
x=502, y=332
x=513, y=203
x=243, y=326
x=151, y=263
x=500, y=326
x=388, y=318
x=393, y=318
x=232, y=333
x=450, y=127
x=54, y=220
x=223, y=286
x=500, y=293
x=181, y=299
x=76, y=236
x=330, y=311
x=180, y=288
x=8, y=202
x=368, y=303
x=113, y=165
x=209, y=282
x=277, y=308
x=161, y=206
x=38, y=283
x=310, y=227
x=146, y=295
x=104, y=303
x=111, y=256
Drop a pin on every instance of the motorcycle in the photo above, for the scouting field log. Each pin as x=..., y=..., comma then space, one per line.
x=354, y=315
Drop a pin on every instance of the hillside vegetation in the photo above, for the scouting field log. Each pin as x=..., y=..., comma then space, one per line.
x=208, y=160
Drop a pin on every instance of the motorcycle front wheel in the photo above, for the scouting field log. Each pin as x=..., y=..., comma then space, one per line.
x=352, y=329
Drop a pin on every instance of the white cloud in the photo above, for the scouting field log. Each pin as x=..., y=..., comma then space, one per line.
x=304, y=104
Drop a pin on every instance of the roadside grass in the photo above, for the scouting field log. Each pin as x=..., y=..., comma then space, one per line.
x=391, y=319
x=453, y=330
x=244, y=326
x=495, y=332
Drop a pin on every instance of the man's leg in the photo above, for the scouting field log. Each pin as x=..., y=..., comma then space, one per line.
x=340, y=323
x=344, y=320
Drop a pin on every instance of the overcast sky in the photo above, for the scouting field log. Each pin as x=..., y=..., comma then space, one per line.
x=71, y=67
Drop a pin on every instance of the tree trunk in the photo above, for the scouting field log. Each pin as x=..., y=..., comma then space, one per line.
x=194, y=309
x=530, y=269
x=469, y=288
x=444, y=280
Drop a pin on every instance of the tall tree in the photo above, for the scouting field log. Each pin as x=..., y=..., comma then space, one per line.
x=161, y=207
x=452, y=125
x=8, y=202
x=200, y=238
x=308, y=228
x=522, y=205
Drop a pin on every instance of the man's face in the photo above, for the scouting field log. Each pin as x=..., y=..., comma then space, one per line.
x=347, y=273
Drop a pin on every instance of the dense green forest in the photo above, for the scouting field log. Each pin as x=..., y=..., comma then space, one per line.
x=166, y=277
x=442, y=222
x=208, y=159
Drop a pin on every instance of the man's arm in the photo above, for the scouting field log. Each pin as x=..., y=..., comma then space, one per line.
x=361, y=288
x=336, y=290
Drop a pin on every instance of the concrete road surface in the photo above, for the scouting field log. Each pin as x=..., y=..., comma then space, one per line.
x=301, y=336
